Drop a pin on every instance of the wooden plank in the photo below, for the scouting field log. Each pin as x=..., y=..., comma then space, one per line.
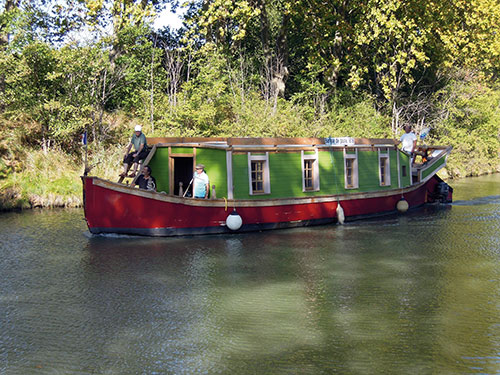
x=375, y=141
x=275, y=141
x=144, y=163
x=248, y=202
x=155, y=140
x=247, y=141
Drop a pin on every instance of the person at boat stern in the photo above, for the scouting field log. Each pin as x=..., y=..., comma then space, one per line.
x=409, y=141
x=145, y=180
x=140, y=144
x=201, y=183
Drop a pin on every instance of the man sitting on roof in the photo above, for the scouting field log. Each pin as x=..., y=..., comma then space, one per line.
x=139, y=142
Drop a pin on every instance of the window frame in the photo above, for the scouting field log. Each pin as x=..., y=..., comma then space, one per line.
x=355, y=176
x=266, y=182
x=315, y=170
x=387, y=167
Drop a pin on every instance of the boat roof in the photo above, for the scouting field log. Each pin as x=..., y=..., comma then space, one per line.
x=242, y=142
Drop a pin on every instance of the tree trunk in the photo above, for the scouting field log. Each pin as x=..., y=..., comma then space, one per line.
x=10, y=5
x=275, y=57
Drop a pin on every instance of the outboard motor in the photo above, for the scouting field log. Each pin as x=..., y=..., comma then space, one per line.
x=441, y=192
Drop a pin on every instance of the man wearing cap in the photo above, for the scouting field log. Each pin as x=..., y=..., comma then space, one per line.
x=201, y=182
x=139, y=142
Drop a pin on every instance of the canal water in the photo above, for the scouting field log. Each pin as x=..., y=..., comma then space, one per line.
x=406, y=294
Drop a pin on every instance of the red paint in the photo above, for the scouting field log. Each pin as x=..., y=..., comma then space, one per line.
x=107, y=208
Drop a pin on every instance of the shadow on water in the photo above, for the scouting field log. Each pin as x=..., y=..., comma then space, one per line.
x=493, y=199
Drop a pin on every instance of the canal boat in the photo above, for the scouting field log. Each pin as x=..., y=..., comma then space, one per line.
x=265, y=183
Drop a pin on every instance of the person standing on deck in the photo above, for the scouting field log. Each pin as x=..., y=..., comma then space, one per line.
x=139, y=142
x=201, y=183
x=409, y=141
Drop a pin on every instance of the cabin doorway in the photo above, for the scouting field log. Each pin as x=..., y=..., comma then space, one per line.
x=183, y=172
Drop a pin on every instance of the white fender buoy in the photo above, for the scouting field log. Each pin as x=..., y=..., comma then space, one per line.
x=340, y=214
x=234, y=221
x=402, y=205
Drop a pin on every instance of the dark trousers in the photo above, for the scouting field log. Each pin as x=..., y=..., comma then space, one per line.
x=129, y=159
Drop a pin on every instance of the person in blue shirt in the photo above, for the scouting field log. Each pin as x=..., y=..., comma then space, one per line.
x=140, y=144
x=201, y=183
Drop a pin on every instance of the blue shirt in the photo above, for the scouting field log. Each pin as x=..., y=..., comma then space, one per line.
x=138, y=140
x=200, y=184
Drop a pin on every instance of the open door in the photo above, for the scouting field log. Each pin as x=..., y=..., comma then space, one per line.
x=183, y=172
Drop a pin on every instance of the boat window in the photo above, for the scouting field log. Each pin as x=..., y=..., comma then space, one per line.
x=384, y=167
x=257, y=176
x=258, y=169
x=351, y=170
x=308, y=174
x=310, y=171
x=403, y=171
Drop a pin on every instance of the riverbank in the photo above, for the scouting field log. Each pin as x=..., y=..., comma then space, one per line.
x=52, y=179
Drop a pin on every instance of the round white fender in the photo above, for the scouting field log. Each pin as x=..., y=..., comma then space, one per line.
x=340, y=214
x=234, y=221
x=402, y=205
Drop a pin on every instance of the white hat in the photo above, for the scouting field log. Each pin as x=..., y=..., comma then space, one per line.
x=138, y=128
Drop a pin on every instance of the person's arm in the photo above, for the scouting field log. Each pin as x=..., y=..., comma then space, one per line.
x=414, y=145
x=207, y=186
x=141, y=146
x=127, y=149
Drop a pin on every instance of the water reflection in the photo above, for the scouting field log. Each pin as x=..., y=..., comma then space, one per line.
x=403, y=294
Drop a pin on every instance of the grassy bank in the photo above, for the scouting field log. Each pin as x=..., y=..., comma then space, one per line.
x=53, y=179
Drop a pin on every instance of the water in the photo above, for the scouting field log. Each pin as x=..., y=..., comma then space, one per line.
x=412, y=294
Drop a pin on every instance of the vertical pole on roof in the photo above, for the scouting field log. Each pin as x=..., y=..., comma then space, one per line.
x=85, y=164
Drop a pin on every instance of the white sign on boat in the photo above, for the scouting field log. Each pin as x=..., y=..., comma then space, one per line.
x=339, y=141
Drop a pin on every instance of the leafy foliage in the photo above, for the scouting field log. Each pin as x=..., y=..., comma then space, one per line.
x=247, y=68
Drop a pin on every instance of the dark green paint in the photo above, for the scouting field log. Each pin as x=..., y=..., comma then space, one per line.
x=159, y=166
x=286, y=172
x=215, y=167
x=181, y=150
x=433, y=168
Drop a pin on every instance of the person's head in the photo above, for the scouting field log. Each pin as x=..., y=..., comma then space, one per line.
x=407, y=128
x=138, y=130
x=146, y=170
x=199, y=168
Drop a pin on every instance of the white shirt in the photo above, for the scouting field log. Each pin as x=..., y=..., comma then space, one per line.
x=200, y=184
x=407, y=140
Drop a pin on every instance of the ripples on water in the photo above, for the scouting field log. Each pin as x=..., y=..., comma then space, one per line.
x=416, y=293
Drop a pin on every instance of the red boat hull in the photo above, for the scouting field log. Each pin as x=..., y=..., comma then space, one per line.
x=113, y=208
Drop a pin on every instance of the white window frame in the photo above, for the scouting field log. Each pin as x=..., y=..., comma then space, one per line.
x=315, y=167
x=267, y=181
x=387, y=167
x=355, y=178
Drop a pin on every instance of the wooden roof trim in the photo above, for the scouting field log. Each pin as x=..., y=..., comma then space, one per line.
x=235, y=141
x=172, y=140
x=161, y=196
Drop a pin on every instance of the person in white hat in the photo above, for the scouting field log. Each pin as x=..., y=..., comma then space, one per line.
x=140, y=144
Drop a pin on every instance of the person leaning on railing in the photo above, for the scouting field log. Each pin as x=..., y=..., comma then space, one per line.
x=409, y=141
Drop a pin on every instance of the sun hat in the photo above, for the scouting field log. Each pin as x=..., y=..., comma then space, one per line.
x=138, y=128
x=200, y=166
